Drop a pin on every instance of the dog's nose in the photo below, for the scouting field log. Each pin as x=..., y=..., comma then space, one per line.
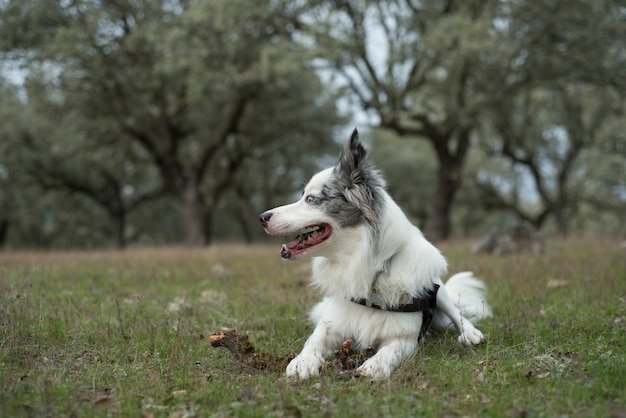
x=264, y=218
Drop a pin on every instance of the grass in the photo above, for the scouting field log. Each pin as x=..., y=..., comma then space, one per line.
x=126, y=334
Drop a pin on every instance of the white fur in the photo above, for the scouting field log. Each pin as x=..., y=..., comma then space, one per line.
x=345, y=266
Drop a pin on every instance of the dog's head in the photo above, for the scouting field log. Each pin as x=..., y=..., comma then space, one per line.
x=335, y=200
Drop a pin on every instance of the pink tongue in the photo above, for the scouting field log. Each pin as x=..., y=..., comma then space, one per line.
x=292, y=245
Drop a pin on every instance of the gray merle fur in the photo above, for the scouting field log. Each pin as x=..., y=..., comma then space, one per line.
x=355, y=193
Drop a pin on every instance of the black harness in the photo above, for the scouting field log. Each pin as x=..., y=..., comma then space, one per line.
x=425, y=303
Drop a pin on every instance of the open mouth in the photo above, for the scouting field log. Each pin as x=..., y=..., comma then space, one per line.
x=308, y=237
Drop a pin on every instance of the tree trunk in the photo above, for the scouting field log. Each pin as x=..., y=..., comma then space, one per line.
x=4, y=229
x=194, y=215
x=119, y=227
x=450, y=156
x=208, y=225
x=448, y=181
x=558, y=211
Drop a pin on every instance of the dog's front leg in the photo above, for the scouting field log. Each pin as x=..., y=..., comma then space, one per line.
x=387, y=358
x=318, y=347
x=470, y=335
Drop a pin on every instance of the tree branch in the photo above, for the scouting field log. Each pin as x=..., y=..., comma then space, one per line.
x=492, y=199
x=229, y=127
x=361, y=38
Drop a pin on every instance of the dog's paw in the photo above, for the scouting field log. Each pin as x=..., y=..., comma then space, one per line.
x=305, y=366
x=471, y=337
x=374, y=370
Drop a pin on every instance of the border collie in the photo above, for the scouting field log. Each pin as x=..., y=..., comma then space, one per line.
x=380, y=277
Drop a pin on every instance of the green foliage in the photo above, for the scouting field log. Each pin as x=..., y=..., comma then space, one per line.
x=150, y=122
x=126, y=333
x=414, y=165
x=460, y=74
x=562, y=97
x=133, y=101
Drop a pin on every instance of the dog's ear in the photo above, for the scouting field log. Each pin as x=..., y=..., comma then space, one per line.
x=352, y=159
x=359, y=181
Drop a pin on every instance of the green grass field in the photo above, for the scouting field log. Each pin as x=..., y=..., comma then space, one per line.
x=126, y=334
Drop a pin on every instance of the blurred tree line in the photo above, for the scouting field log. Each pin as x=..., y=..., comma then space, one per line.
x=155, y=122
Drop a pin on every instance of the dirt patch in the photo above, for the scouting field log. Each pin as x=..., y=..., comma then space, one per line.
x=241, y=347
x=348, y=359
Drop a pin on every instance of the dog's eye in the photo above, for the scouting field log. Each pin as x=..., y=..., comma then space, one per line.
x=309, y=199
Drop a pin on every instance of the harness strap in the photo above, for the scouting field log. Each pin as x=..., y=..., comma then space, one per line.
x=424, y=303
x=427, y=319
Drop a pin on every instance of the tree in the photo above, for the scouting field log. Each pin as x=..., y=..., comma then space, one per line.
x=563, y=66
x=9, y=109
x=436, y=70
x=602, y=188
x=182, y=81
x=418, y=67
x=545, y=131
x=29, y=216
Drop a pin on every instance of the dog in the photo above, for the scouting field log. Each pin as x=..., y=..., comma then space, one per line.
x=381, y=279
